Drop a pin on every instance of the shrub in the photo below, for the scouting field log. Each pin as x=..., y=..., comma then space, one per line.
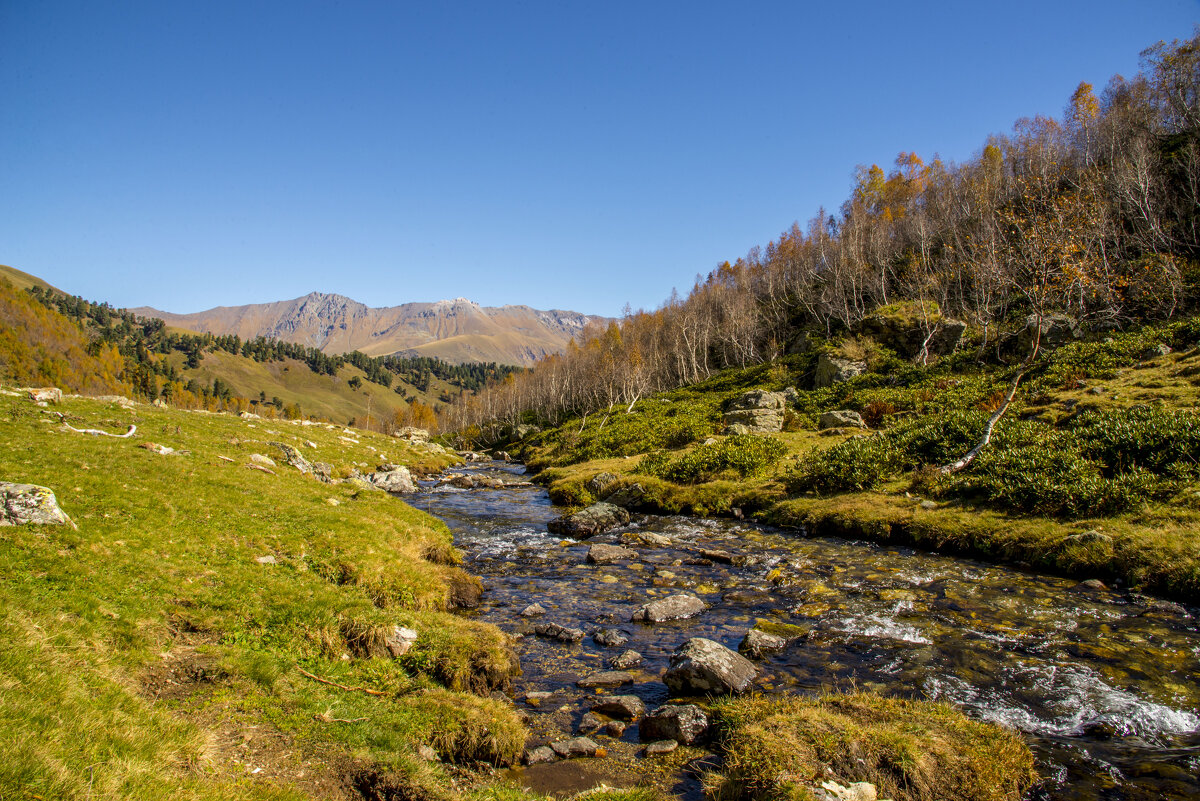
x=743, y=454
x=1165, y=442
x=855, y=465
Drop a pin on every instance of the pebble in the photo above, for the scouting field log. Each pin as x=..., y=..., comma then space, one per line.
x=606, y=678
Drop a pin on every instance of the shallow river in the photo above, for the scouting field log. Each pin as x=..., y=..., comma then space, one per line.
x=1104, y=685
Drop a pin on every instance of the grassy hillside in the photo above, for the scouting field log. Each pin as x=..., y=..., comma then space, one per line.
x=21, y=280
x=1095, y=472
x=158, y=656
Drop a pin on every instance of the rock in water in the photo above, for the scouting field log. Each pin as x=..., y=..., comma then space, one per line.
x=577, y=747
x=28, y=503
x=757, y=644
x=686, y=724
x=539, y=755
x=606, y=678
x=673, y=607
x=555, y=631
x=588, y=522
x=609, y=638
x=704, y=667
x=624, y=707
x=600, y=554
x=625, y=660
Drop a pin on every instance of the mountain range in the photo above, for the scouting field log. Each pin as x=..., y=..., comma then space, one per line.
x=455, y=331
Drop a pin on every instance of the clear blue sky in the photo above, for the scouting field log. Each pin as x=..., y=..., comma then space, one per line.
x=559, y=154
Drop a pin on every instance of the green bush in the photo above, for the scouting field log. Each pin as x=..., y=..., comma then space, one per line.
x=743, y=454
x=1165, y=442
x=937, y=439
x=855, y=465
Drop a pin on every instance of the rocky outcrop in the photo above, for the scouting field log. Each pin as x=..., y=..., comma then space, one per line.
x=44, y=395
x=597, y=518
x=393, y=478
x=684, y=723
x=757, y=410
x=25, y=504
x=908, y=334
x=834, y=370
x=412, y=434
x=293, y=457
x=841, y=418
x=673, y=607
x=703, y=667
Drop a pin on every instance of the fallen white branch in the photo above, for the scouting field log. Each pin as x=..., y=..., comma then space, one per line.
x=98, y=433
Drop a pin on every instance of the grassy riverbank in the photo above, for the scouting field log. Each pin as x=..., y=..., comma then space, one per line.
x=1093, y=473
x=215, y=631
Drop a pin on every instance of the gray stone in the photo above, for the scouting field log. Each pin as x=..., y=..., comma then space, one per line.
x=597, y=518
x=856, y=791
x=609, y=638
x=715, y=555
x=523, y=431
x=757, y=410
x=412, y=434
x=293, y=457
x=703, y=667
x=397, y=479
x=539, y=755
x=261, y=459
x=673, y=607
x=756, y=644
x=684, y=723
x=399, y=640
x=625, y=707
x=630, y=496
x=661, y=747
x=647, y=539
x=22, y=504
x=599, y=484
x=606, y=678
x=833, y=370
x=555, y=631
x=577, y=747
x=625, y=660
x=615, y=728
x=426, y=753
x=44, y=394
x=533, y=610
x=589, y=723
x=601, y=554
x=323, y=471
x=928, y=506
x=842, y=418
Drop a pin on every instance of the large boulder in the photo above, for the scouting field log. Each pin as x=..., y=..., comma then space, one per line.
x=757, y=410
x=393, y=478
x=703, y=667
x=22, y=504
x=684, y=723
x=44, y=394
x=673, y=607
x=841, y=418
x=834, y=370
x=631, y=496
x=597, y=518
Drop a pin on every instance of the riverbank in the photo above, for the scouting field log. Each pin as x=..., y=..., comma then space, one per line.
x=1092, y=475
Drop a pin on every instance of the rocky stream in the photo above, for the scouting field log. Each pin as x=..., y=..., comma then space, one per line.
x=1104, y=684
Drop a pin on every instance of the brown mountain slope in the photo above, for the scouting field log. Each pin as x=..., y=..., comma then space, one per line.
x=453, y=330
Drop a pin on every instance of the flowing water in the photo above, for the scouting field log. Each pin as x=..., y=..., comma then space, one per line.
x=1104, y=685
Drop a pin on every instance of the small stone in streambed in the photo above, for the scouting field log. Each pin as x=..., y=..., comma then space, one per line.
x=609, y=638
x=554, y=631
x=536, y=698
x=624, y=707
x=539, y=755
x=703, y=667
x=601, y=554
x=575, y=747
x=684, y=723
x=590, y=722
x=1091, y=584
x=724, y=557
x=625, y=660
x=661, y=748
x=673, y=607
x=757, y=644
x=533, y=610
x=606, y=678
x=615, y=728
x=701, y=562
x=646, y=539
